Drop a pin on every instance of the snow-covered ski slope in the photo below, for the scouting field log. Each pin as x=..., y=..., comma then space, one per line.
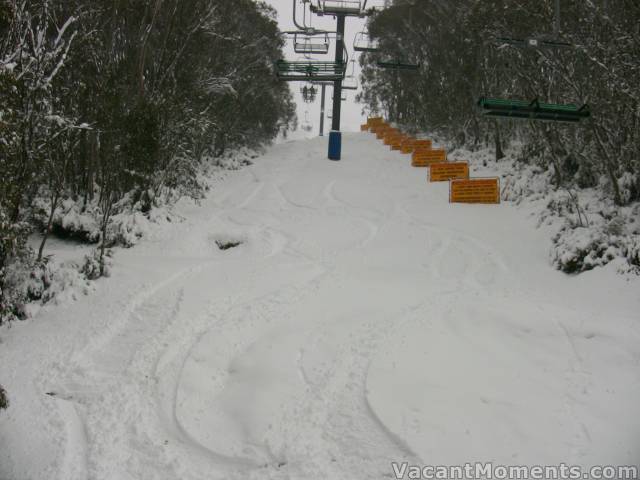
x=364, y=320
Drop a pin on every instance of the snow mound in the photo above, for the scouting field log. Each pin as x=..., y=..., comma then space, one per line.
x=226, y=241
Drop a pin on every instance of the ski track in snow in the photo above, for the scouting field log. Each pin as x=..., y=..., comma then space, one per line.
x=336, y=339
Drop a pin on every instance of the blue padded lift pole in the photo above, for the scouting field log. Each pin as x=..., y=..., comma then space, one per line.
x=335, y=137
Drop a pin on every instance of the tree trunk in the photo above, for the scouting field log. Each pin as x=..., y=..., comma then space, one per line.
x=105, y=220
x=498, y=143
x=54, y=205
x=102, y=247
x=617, y=198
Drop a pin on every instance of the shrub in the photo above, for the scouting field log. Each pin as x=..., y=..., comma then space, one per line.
x=4, y=400
x=91, y=266
x=581, y=249
x=15, y=256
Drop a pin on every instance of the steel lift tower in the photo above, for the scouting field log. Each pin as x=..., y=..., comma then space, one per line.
x=340, y=9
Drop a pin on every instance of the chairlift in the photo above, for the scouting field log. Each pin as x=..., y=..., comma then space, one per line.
x=311, y=44
x=309, y=93
x=306, y=124
x=308, y=70
x=352, y=8
x=533, y=43
x=350, y=81
x=552, y=41
x=534, y=110
x=364, y=43
x=397, y=65
x=320, y=83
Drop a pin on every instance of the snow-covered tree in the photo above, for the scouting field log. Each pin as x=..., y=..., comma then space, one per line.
x=454, y=43
x=109, y=107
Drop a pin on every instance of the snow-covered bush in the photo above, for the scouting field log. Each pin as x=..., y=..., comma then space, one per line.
x=583, y=248
x=629, y=187
x=126, y=228
x=4, y=400
x=522, y=181
x=15, y=258
x=93, y=267
x=31, y=283
x=13, y=296
x=39, y=282
x=71, y=219
x=50, y=282
x=24, y=280
x=236, y=159
x=579, y=249
x=74, y=220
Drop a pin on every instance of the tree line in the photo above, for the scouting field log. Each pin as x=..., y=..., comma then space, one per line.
x=113, y=104
x=460, y=61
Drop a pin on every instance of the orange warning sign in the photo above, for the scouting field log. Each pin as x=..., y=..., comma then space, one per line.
x=396, y=143
x=383, y=132
x=442, y=172
x=390, y=135
x=424, y=158
x=422, y=144
x=407, y=145
x=391, y=138
x=475, y=190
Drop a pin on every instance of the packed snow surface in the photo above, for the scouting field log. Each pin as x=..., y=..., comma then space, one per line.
x=358, y=320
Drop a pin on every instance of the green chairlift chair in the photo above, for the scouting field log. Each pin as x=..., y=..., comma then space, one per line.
x=309, y=70
x=547, y=41
x=533, y=43
x=397, y=65
x=350, y=81
x=351, y=8
x=520, y=109
x=317, y=44
x=364, y=43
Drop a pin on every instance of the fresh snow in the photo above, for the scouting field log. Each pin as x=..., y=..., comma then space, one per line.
x=361, y=320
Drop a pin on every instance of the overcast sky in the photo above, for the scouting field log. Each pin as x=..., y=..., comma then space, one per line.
x=351, y=111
